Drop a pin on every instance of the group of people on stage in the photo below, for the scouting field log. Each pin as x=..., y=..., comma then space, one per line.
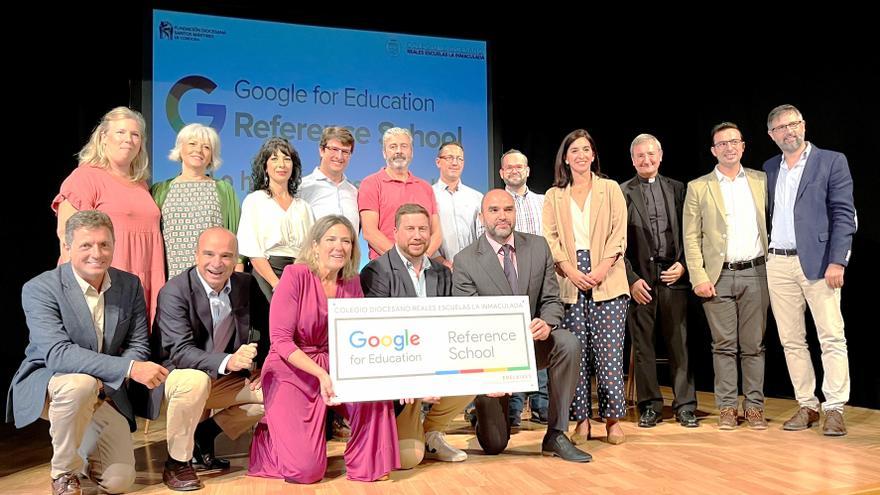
x=112, y=337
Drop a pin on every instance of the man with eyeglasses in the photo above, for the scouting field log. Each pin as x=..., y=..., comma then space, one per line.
x=327, y=190
x=382, y=193
x=725, y=241
x=812, y=222
x=457, y=204
x=655, y=269
x=529, y=211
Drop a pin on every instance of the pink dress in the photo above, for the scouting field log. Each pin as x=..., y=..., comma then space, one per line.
x=139, y=246
x=289, y=441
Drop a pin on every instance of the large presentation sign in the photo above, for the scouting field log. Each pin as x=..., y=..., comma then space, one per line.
x=420, y=347
x=252, y=80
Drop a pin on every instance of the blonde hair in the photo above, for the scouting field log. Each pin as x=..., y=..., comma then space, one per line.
x=308, y=255
x=93, y=152
x=202, y=134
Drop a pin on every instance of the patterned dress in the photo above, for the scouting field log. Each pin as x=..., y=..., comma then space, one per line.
x=190, y=207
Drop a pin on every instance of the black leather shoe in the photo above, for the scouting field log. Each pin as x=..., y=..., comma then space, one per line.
x=649, y=418
x=204, y=460
x=687, y=419
x=557, y=444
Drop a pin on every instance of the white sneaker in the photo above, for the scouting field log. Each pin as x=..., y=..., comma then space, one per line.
x=436, y=447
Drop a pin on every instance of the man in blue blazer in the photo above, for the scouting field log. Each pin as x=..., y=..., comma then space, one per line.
x=88, y=337
x=812, y=222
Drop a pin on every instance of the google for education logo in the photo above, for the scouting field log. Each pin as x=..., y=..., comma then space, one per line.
x=358, y=339
x=216, y=112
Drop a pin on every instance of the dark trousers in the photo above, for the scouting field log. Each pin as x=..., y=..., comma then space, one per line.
x=667, y=312
x=737, y=317
x=560, y=354
x=278, y=263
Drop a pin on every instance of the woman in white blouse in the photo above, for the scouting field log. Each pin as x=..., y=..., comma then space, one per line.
x=274, y=221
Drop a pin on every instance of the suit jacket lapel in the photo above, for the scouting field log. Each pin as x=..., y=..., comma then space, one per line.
x=488, y=260
x=85, y=332
x=759, y=194
x=400, y=273
x=715, y=192
x=597, y=198
x=671, y=210
x=811, y=171
x=238, y=300
x=202, y=304
x=111, y=312
x=431, y=276
x=523, y=262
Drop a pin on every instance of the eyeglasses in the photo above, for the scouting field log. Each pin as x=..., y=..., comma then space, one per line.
x=333, y=149
x=791, y=126
x=453, y=158
x=734, y=143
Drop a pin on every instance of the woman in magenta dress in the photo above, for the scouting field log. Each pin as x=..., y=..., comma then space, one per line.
x=112, y=177
x=289, y=442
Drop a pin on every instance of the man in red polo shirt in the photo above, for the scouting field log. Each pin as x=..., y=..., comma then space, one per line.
x=382, y=193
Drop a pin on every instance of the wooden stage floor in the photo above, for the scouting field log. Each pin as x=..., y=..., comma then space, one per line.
x=664, y=459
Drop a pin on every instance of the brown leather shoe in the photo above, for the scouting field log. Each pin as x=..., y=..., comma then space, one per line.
x=834, y=426
x=180, y=477
x=66, y=484
x=727, y=418
x=802, y=419
x=756, y=420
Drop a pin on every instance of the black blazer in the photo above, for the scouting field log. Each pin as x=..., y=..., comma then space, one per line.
x=640, y=246
x=387, y=276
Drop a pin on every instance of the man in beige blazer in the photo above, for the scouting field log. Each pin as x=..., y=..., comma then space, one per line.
x=725, y=240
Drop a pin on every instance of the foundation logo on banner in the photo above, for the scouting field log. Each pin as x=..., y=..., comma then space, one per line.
x=168, y=31
x=216, y=112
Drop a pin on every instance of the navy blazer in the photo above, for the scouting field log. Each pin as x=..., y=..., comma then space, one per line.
x=387, y=276
x=824, y=211
x=63, y=340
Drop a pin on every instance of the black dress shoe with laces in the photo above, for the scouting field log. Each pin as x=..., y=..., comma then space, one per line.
x=204, y=460
x=557, y=444
x=687, y=419
x=649, y=418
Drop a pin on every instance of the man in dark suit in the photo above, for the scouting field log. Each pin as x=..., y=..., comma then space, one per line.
x=502, y=263
x=406, y=271
x=812, y=222
x=203, y=334
x=655, y=269
x=88, y=337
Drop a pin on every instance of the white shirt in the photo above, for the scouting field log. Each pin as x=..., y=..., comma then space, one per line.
x=95, y=302
x=580, y=220
x=418, y=279
x=326, y=197
x=743, y=238
x=266, y=230
x=459, y=217
x=784, y=195
x=221, y=307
